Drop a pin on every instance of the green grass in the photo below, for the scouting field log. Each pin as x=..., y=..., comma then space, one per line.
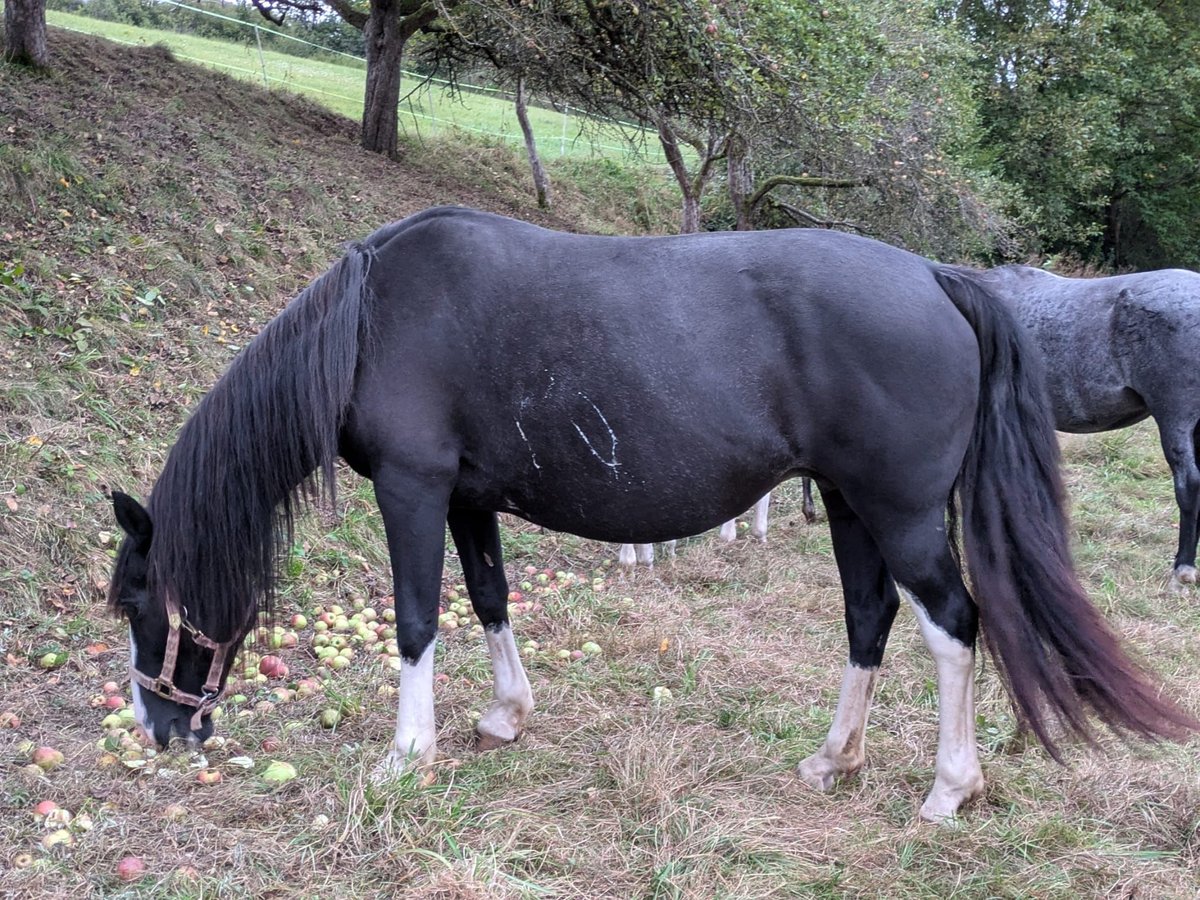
x=427, y=108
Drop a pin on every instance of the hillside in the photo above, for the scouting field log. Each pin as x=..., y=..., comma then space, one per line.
x=158, y=213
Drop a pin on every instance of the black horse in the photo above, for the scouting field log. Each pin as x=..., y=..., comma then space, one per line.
x=1117, y=350
x=637, y=390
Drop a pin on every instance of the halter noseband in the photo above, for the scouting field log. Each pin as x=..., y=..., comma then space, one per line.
x=164, y=687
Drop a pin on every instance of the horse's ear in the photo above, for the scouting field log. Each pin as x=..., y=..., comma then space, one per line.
x=133, y=519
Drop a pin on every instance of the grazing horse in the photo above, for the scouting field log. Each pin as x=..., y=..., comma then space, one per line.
x=1117, y=350
x=632, y=554
x=470, y=364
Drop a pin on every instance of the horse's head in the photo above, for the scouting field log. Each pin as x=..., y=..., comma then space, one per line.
x=178, y=673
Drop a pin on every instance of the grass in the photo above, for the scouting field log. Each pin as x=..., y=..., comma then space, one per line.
x=125, y=260
x=428, y=107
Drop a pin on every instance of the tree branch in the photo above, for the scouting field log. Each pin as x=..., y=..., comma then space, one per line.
x=800, y=215
x=802, y=181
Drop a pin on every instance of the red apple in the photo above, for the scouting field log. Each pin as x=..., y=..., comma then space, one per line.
x=110, y=687
x=47, y=758
x=44, y=808
x=9, y=719
x=114, y=701
x=271, y=666
x=208, y=776
x=131, y=868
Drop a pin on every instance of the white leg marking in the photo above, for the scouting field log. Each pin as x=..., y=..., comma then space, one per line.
x=645, y=554
x=627, y=556
x=1182, y=578
x=761, y=508
x=957, y=775
x=416, y=736
x=729, y=530
x=140, y=715
x=670, y=545
x=505, y=718
x=844, y=750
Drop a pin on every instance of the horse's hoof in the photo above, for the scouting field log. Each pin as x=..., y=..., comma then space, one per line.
x=486, y=742
x=817, y=773
x=396, y=764
x=944, y=801
x=1183, y=577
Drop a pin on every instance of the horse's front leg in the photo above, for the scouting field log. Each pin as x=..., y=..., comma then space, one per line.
x=414, y=510
x=871, y=602
x=477, y=536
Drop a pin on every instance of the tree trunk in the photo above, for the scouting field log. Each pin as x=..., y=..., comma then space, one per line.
x=690, y=222
x=541, y=183
x=737, y=156
x=25, y=32
x=385, y=40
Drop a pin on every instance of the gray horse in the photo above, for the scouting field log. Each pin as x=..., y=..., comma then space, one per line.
x=1118, y=350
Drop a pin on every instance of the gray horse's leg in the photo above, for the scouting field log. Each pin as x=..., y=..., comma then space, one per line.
x=1179, y=447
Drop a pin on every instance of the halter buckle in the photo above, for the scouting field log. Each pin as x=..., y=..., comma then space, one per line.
x=163, y=689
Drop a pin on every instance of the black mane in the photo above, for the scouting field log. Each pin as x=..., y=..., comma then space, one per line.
x=259, y=446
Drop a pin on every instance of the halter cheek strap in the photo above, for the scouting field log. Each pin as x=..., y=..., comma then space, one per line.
x=164, y=686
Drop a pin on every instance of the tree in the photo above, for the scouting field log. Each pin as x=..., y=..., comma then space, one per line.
x=387, y=27
x=799, y=101
x=25, y=32
x=1091, y=109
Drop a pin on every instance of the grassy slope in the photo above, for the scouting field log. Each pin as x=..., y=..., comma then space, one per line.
x=161, y=214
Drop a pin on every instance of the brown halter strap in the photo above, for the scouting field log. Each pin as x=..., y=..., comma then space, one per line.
x=165, y=687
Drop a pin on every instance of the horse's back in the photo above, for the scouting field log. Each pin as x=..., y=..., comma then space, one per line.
x=548, y=365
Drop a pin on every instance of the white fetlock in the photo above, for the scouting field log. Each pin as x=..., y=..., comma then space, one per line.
x=1183, y=577
x=505, y=718
x=501, y=724
x=945, y=800
x=729, y=530
x=398, y=762
x=818, y=772
x=627, y=556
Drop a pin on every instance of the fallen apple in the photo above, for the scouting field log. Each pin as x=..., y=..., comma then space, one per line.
x=329, y=718
x=44, y=807
x=114, y=701
x=174, y=812
x=110, y=687
x=271, y=666
x=298, y=621
x=53, y=659
x=208, y=776
x=591, y=648
x=131, y=868
x=22, y=860
x=9, y=719
x=47, y=758
x=278, y=772
x=58, y=837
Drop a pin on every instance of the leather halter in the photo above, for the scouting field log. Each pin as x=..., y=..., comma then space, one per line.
x=164, y=686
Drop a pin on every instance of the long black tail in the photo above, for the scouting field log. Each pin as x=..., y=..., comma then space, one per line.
x=1058, y=657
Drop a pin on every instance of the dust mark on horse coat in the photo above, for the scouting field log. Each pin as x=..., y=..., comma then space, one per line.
x=532, y=453
x=611, y=463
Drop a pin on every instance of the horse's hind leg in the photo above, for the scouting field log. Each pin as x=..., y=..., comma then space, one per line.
x=920, y=559
x=761, y=510
x=871, y=603
x=1180, y=448
x=477, y=536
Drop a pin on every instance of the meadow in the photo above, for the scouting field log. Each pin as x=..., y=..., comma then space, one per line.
x=428, y=106
x=149, y=225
